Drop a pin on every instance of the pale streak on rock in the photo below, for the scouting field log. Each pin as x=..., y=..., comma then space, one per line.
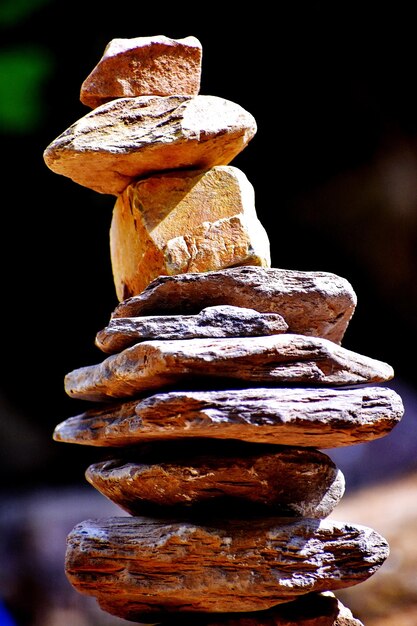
x=142, y=66
x=312, y=303
x=311, y=609
x=184, y=221
x=214, y=321
x=274, y=359
x=143, y=564
x=288, y=481
x=128, y=138
x=315, y=417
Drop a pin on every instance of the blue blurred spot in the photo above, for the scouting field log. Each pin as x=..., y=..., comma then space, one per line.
x=5, y=618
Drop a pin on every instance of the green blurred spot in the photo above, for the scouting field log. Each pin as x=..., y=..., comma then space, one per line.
x=11, y=11
x=22, y=72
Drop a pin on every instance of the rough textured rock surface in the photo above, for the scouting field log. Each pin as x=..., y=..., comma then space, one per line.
x=132, y=137
x=142, y=564
x=322, y=418
x=184, y=221
x=214, y=321
x=221, y=480
x=274, y=359
x=311, y=609
x=312, y=303
x=143, y=66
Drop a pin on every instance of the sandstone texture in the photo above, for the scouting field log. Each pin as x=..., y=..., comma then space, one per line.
x=184, y=221
x=128, y=138
x=320, y=417
x=214, y=321
x=312, y=303
x=144, y=66
x=288, y=481
x=228, y=565
x=274, y=359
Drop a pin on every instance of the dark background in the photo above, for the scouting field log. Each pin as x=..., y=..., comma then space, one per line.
x=332, y=87
x=334, y=166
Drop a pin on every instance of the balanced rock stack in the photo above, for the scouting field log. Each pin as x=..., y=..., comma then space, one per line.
x=223, y=377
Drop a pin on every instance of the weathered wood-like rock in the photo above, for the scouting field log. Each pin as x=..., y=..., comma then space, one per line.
x=184, y=221
x=274, y=359
x=311, y=609
x=132, y=137
x=144, y=66
x=214, y=321
x=288, y=481
x=140, y=564
x=321, y=418
x=312, y=303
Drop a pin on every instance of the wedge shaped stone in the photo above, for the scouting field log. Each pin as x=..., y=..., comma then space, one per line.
x=144, y=66
x=312, y=303
x=288, y=481
x=130, y=138
x=213, y=321
x=315, y=417
x=310, y=609
x=221, y=565
x=184, y=221
x=274, y=359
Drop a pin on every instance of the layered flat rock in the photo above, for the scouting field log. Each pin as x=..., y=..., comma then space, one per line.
x=316, y=417
x=213, y=321
x=128, y=138
x=275, y=359
x=184, y=221
x=311, y=609
x=142, y=564
x=143, y=66
x=288, y=481
x=312, y=303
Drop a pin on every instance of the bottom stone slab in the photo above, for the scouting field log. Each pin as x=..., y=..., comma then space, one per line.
x=135, y=566
x=313, y=609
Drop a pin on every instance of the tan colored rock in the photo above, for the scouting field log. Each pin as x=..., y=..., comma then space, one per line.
x=136, y=565
x=129, y=138
x=311, y=609
x=273, y=359
x=315, y=417
x=184, y=221
x=143, y=66
x=225, y=480
x=312, y=303
x=213, y=321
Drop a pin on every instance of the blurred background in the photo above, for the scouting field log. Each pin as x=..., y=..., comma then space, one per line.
x=332, y=87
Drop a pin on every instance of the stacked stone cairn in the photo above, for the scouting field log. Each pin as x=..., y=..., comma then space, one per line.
x=222, y=379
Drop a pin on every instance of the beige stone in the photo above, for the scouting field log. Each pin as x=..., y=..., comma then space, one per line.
x=145, y=564
x=182, y=222
x=129, y=138
x=143, y=66
x=213, y=321
x=312, y=417
x=273, y=359
x=222, y=480
x=312, y=303
x=311, y=609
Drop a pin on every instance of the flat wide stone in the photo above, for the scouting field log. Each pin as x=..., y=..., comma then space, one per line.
x=253, y=479
x=143, y=66
x=312, y=303
x=275, y=359
x=129, y=138
x=213, y=321
x=321, y=418
x=311, y=609
x=142, y=564
x=184, y=221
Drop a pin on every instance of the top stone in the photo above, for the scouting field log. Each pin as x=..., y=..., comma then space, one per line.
x=143, y=66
